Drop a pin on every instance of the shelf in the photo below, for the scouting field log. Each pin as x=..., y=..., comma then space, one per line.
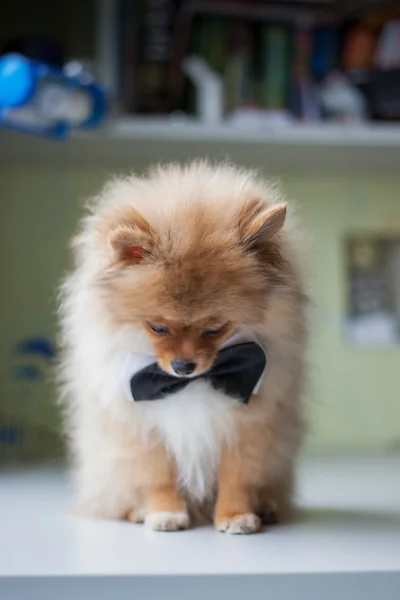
x=131, y=143
x=134, y=143
x=345, y=545
x=386, y=136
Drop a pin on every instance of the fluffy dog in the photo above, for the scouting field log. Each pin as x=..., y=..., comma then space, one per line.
x=171, y=269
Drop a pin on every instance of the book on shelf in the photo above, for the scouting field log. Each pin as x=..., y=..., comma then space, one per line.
x=303, y=94
x=358, y=48
x=127, y=47
x=147, y=49
x=325, y=51
x=239, y=81
x=275, y=59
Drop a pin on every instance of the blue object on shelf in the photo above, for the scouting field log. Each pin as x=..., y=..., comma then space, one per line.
x=17, y=81
x=40, y=99
x=323, y=59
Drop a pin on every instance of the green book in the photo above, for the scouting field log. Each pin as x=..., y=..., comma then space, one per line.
x=213, y=43
x=275, y=64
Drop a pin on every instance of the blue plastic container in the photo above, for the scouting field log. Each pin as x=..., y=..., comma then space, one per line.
x=39, y=99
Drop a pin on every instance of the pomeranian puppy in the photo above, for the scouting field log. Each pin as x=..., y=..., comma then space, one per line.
x=183, y=327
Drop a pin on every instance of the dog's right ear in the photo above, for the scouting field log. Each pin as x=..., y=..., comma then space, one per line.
x=131, y=240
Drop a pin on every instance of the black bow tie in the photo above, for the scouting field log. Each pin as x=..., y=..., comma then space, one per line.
x=236, y=372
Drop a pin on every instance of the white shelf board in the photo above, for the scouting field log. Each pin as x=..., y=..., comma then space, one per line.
x=372, y=135
x=345, y=545
x=134, y=143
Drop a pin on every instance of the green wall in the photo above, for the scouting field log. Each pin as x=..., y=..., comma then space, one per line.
x=353, y=399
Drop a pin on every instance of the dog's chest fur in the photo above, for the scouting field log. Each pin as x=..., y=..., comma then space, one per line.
x=193, y=424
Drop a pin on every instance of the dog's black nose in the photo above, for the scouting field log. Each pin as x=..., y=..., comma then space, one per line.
x=183, y=367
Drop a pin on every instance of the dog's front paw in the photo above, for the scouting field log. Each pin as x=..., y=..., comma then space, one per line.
x=239, y=524
x=136, y=516
x=167, y=521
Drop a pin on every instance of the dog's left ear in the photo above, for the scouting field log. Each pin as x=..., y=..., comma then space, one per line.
x=259, y=223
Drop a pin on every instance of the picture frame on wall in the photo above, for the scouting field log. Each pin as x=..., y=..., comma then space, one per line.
x=373, y=290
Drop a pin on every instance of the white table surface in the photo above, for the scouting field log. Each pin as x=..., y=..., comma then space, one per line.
x=346, y=544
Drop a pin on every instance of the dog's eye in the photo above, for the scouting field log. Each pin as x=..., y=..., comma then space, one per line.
x=213, y=331
x=158, y=329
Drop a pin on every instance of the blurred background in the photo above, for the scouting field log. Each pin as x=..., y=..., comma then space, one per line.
x=306, y=92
